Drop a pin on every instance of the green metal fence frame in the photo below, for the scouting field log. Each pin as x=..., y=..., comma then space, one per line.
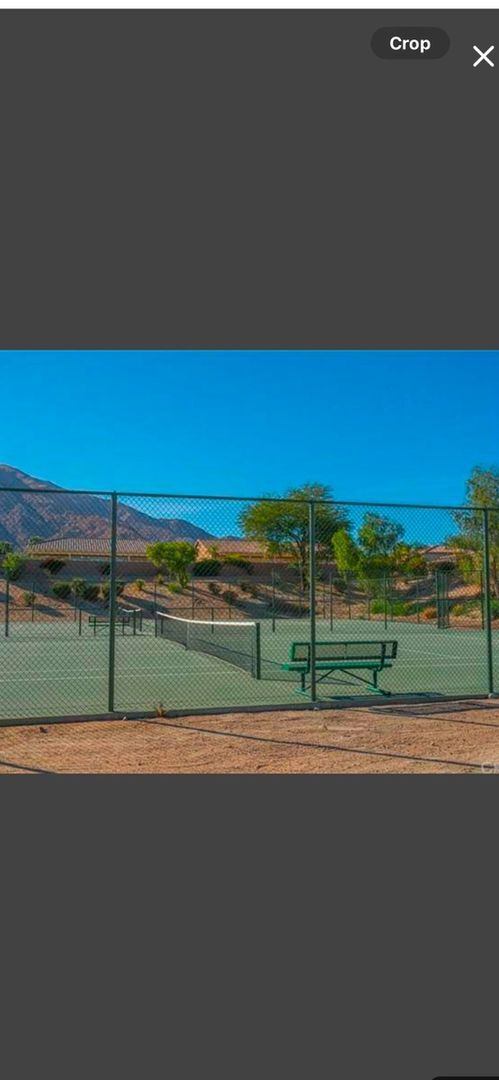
x=115, y=497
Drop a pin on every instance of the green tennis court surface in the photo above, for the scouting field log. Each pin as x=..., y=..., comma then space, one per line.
x=49, y=670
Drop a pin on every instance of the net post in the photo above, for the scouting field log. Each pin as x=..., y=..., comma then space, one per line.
x=385, y=601
x=311, y=585
x=258, y=651
x=7, y=605
x=112, y=603
x=273, y=600
x=486, y=602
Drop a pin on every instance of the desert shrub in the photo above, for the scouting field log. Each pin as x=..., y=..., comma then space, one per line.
x=5, y=547
x=214, y=588
x=159, y=579
x=174, y=587
x=429, y=613
x=395, y=607
x=466, y=607
x=139, y=584
x=77, y=585
x=244, y=587
x=104, y=590
x=494, y=607
x=53, y=565
x=207, y=568
x=229, y=596
x=90, y=593
x=240, y=562
x=377, y=607
x=13, y=566
x=61, y=589
x=401, y=607
x=28, y=599
x=105, y=569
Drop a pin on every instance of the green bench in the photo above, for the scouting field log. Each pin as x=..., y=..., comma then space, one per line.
x=348, y=657
x=131, y=617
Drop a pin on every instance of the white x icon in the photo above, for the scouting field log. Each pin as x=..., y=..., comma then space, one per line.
x=483, y=55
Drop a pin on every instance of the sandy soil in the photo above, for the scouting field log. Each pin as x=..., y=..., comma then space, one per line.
x=449, y=737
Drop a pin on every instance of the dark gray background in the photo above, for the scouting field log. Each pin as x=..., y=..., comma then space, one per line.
x=249, y=927
x=245, y=179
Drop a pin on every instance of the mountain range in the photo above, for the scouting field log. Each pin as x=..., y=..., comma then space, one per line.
x=58, y=513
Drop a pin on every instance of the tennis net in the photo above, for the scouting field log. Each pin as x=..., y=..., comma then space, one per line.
x=237, y=643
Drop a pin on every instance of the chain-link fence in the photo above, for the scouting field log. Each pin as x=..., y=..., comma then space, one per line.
x=124, y=603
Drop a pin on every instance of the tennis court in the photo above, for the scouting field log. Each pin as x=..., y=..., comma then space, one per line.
x=50, y=670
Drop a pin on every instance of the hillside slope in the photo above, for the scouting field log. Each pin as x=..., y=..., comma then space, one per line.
x=59, y=513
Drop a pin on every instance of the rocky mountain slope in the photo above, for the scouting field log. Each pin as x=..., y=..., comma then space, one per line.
x=24, y=514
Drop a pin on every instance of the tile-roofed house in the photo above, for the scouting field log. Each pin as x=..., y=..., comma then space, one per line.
x=94, y=547
x=83, y=547
x=440, y=553
x=232, y=545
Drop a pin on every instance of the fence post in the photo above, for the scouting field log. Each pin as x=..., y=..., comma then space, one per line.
x=258, y=652
x=331, y=598
x=7, y=605
x=312, y=577
x=486, y=603
x=112, y=603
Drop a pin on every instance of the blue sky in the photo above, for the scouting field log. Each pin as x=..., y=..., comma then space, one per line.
x=401, y=426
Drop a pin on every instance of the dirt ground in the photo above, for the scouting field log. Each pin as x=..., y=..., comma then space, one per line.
x=446, y=737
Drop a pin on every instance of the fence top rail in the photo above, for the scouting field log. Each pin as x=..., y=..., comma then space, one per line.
x=56, y=491
x=245, y=498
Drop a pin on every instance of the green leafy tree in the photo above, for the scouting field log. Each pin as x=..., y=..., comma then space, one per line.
x=61, y=589
x=409, y=561
x=379, y=535
x=5, y=547
x=381, y=551
x=12, y=566
x=176, y=556
x=283, y=525
x=346, y=552
x=482, y=490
